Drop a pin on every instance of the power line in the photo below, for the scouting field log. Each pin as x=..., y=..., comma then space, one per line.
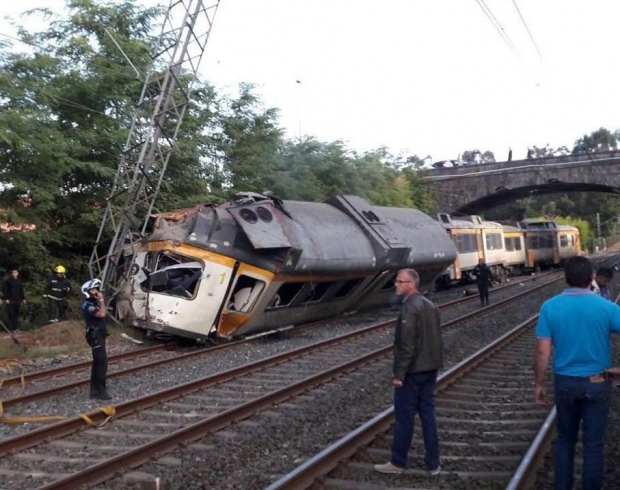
x=504, y=35
x=498, y=27
x=527, y=29
x=46, y=49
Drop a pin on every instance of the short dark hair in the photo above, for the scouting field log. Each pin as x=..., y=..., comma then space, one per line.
x=605, y=272
x=578, y=272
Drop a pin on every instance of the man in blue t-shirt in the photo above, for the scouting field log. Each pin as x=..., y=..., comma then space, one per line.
x=577, y=324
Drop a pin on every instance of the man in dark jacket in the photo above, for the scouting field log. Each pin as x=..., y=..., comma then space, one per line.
x=418, y=355
x=13, y=296
x=484, y=276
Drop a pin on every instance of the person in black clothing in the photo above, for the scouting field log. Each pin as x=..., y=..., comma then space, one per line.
x=484, y=277
x=94, y=312
x=13, y=296
x=56, y=292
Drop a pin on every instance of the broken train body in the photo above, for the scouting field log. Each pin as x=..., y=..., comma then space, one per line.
x=257, y=263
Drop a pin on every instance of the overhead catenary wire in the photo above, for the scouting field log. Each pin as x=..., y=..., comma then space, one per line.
x=529, y=33
x=46, y=50
x=505, y=37
x=498, y=27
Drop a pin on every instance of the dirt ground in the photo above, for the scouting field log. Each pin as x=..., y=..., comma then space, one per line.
x=55, y=342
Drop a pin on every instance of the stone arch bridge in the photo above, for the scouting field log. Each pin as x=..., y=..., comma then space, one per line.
x=472, y=189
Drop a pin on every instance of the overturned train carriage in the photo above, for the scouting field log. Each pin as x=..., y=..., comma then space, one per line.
x=257, y=263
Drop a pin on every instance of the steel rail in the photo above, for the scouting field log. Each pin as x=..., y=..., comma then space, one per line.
x=182, y=357
x=84, y=365
x=74, y=424
x=525, y=475
x=321, y=464
x=103, y=471
x=78, y=366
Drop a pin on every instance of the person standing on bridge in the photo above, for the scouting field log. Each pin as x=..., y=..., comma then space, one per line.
x=577, y=325
x=418, y=355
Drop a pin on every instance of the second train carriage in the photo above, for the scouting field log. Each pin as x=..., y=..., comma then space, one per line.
x=548, y=243
x=257, y=263
x=474, y=239
x=526, y=245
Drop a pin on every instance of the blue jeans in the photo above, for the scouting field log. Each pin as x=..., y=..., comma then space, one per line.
x=577, y=400
x=417, y=395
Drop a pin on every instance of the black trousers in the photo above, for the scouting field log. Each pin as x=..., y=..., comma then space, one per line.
x=57, y=308
x=483, y=289
x=12, y=310
x=99, y=371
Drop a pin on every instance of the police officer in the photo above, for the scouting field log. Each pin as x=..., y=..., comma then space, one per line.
x=94, y=312
x=56, y=292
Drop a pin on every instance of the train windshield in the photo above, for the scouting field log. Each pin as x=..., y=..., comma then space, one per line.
x=173, y=274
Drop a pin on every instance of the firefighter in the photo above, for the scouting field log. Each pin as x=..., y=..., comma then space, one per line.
x=94, y=312
x=56, y=292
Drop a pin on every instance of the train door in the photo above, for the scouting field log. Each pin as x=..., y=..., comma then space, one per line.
x=243, y=294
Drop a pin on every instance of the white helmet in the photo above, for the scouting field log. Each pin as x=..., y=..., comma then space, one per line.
x=88, y=285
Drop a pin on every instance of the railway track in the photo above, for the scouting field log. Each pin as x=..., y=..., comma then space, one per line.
x=62, y=455
x=487, y=420
x=42, y=384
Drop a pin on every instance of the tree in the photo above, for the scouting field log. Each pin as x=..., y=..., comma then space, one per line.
x=66, y=105
x=476, y=156
x=600, y=140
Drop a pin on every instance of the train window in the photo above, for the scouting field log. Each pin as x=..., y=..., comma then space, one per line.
x=346, y=288
x=509, y=244
x=465, y=242
x=316, y=291
x=563, y=241
x=517, y=242
x=494, y=241
x=174, y=274
x=286, y=294
x=244, y=295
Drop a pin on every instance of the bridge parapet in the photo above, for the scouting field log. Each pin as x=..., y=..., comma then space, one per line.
x=474, y=188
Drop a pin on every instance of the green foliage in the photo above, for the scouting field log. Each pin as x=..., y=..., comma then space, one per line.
x=66, y=107
x=600, y=140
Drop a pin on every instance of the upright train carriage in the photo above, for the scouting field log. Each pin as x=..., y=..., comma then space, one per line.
x=506, y=248
x=257, y=263
x=548, y=243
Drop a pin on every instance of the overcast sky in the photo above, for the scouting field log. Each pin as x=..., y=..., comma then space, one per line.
x=425, y=77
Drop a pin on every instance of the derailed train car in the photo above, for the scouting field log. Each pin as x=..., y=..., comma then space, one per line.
x=257, y=263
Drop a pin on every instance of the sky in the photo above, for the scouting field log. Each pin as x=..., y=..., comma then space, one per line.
x=423, y=77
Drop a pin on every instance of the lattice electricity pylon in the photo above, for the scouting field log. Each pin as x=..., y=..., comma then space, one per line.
x=156, y=122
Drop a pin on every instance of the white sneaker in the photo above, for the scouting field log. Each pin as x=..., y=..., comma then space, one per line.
x=389, y=469
x=434, y=472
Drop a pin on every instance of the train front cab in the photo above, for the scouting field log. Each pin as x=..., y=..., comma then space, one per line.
x=541, y=241
x=179, y=290
x=568, y=242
